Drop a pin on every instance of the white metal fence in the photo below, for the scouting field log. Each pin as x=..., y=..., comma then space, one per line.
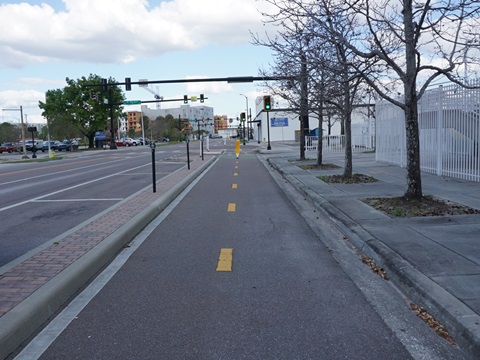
x=449, y=124
x=336, y=143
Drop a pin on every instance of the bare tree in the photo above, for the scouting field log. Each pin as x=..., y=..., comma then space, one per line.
x=321, y=62
x=409, y=44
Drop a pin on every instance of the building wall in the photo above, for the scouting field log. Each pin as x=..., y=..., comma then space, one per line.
x=134, y=120
x=203, y=114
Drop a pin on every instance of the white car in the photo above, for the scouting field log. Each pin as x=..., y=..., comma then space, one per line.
x=130, y=142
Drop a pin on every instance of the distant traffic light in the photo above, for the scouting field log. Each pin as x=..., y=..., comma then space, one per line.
x=242, y=116
x=104, y=85
x=185, y=99
x=128, y=84
x=267, y=103
x=202, y=98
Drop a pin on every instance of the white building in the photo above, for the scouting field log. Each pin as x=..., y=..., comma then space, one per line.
x=282, y=125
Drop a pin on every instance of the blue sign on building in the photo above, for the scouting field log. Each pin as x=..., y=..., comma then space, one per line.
x=279, y=122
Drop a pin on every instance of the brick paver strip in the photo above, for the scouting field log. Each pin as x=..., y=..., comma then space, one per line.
x=22, y=280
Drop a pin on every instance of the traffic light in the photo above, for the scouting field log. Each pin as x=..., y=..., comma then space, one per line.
x=267, y=103
x=104, y=85
x=202, y=98
x=242, y=116
x=128, y=84
x=185, y=99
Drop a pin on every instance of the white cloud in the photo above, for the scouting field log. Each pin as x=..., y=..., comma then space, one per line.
x=120, y=31
x=26, y=99
x=208, y=87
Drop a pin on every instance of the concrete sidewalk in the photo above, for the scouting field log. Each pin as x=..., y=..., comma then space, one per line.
x=34, y=286
x=434, y=260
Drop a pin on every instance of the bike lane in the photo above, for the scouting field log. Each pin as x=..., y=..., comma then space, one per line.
x=176, y=298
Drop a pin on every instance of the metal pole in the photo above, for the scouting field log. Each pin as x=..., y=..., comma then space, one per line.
x=268, y=131
x=154, y=173
x=25, y=156
x=143, y=127
x=113, y=144
x=187, y=140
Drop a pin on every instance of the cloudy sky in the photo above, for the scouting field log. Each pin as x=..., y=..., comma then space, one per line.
x=43, y=42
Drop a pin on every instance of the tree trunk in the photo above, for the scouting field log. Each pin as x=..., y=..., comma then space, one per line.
x=414, y=182
x=303, y=104
x=320, y=136
x=414, y=178
x=348, y=169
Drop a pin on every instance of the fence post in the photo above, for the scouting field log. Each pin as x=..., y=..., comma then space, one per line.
x=440, y=131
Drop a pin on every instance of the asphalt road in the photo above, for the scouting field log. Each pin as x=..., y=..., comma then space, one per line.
x=41, y=200
x=285, y=298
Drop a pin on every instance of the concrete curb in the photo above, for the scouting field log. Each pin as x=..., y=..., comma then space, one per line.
x=459, y=319
x=23, y=320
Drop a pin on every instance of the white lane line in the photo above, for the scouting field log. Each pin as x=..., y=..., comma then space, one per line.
x=59, y=172
x=67, y=189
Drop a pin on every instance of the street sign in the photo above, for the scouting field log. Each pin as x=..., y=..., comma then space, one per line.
x=132, y=102
x=279, y=122
x=193, y=98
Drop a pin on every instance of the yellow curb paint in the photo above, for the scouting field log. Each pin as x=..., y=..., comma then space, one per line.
x=225, y=260
x=234, y=186
x=232, y=207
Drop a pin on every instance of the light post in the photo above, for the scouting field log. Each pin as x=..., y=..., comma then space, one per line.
x=246, y=99
x=25, y=156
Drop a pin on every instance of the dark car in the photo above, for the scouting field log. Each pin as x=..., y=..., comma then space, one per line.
x=8, y=147
x=67, y=145
x=53, y=145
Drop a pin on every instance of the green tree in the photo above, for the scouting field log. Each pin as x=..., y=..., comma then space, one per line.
x=9, y=132
x=82, y=108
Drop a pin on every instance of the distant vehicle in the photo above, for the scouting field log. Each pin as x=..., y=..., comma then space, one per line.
x=131, y=142
x=29, y=144
x=8, y=147
x=53, y=145
x=67, y=146
x=216, y=136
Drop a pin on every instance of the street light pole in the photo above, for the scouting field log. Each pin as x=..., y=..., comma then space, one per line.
x=246, y=112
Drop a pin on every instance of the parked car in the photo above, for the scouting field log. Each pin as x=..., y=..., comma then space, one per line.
x=8, y=147
x=53, y=145
x=67, y=145
x=131, y=142
x=29, y=144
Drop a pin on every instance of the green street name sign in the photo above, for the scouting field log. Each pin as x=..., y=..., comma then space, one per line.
x=132, y=102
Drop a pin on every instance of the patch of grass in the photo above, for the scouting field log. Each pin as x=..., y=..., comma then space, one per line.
x=318, y=167
x=300, y=160
x=426, y=206
x=340, y=179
